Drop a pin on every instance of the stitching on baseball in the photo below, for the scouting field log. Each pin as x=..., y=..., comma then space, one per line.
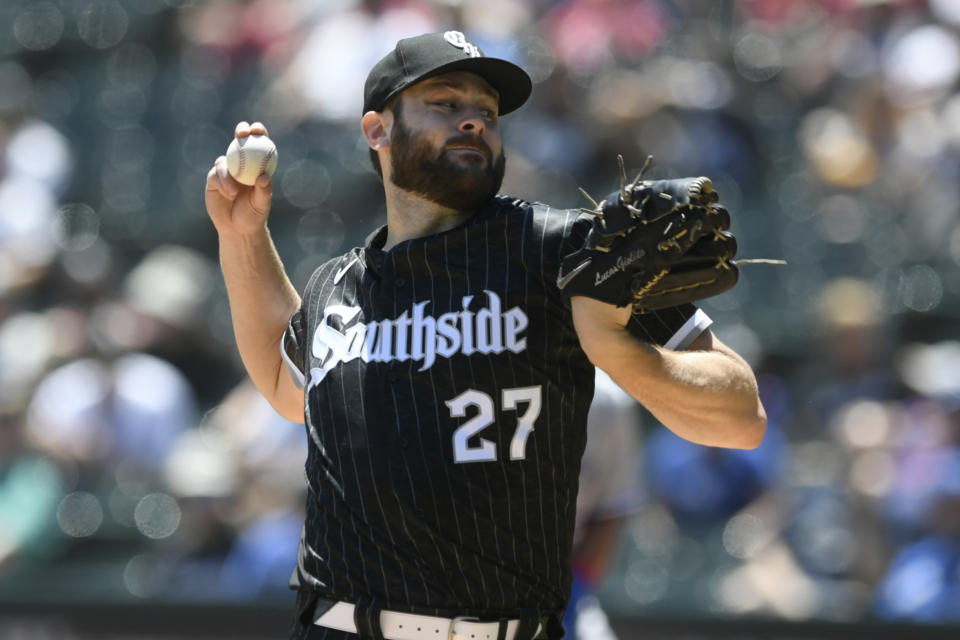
x=266, y=160
x=241, y=158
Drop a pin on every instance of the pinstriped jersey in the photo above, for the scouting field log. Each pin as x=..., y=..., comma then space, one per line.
x=446, y=397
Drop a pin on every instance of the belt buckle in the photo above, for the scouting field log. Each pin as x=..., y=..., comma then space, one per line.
x=454, y=621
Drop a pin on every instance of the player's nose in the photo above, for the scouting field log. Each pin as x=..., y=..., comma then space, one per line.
x=473, y=122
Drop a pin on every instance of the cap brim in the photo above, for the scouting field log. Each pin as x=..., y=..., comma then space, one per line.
x=511, y=82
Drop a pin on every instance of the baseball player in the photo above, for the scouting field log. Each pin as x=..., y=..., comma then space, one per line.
x=443, y=369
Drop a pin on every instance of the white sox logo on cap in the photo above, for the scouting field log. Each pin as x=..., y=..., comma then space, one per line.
x=457, y=39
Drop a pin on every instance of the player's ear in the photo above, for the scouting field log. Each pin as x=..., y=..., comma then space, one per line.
x=376, y=128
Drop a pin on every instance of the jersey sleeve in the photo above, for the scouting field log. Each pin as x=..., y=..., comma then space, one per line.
x=673, y=328
x=292, y=348
x=556, y=233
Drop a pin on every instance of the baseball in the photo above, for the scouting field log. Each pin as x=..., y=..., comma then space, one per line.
x=250, y=156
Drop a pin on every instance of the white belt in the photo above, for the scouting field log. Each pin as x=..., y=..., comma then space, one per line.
x=397, y=625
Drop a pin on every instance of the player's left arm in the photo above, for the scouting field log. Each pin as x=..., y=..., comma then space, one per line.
x=706, y=394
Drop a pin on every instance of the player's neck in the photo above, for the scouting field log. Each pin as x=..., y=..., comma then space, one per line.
x=411, y=216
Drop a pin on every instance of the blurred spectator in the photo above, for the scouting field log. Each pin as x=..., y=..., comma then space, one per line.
x=269, y=452
x=854, y=344
x=609, y=492
x=35, y=168
x=30, y=489
x=120, y=413
x=922, y=507
x=705, y=485
x=321, y=80
x=923, y=580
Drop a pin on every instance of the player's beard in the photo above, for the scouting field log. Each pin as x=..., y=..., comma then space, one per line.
x=462, y=186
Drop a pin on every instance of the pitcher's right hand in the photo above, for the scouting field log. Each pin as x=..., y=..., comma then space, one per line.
x=234, y=208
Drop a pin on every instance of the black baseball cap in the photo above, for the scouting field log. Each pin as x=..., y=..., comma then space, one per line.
x=421, y=57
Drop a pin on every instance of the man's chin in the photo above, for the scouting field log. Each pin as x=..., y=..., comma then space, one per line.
x=460, y=181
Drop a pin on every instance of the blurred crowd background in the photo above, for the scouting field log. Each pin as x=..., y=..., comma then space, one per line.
x=138, y=464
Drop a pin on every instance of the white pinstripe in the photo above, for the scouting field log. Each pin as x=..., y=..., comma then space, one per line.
x=419, y=428
x=465, y=470
x=340, y=478
x=547, y=419
x=493, y=515
x=376, y=491
x=526, y=305
x=456, y=516
x=339, y=519
x=513, y=374
x=399, y=430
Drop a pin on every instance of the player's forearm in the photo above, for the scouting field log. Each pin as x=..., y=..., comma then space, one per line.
x=707, y=394
x=707, y=397
x=262, y=299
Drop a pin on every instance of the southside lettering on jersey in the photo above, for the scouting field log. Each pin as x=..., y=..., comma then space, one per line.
x=414, y=335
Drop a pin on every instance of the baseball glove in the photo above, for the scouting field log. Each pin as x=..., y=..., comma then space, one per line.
x=654, y=244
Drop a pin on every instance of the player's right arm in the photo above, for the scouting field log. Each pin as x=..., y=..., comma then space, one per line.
x=262, y=298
